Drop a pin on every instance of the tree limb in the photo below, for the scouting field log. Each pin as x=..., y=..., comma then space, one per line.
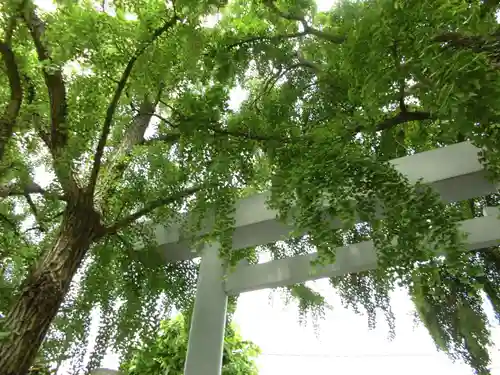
x=11, y=224
x=134, y=135
x=401, y=81
x=44, y=229
x=487, y=44
x=14, y=189
x=489, y=6
x=9, y=32
x=57, y=140
x=336, y=39
x=150, y=207
x=401, y=118
x=274, y=38
x=164, y=138
x=458, y=40
x=217, y=131
x=54, y=82
x=11, y=112
x=307, y=64
x=34, y=211
x=106, y=129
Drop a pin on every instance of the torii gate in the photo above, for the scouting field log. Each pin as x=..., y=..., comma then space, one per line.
x=453, y=171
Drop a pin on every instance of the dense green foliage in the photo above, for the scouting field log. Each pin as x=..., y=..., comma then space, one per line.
x=331, y=97
x=167, y=352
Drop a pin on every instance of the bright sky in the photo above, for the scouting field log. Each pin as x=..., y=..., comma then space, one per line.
x=344, y=345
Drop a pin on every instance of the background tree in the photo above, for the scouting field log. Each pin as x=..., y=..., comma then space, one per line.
x=167, y=351
x=125, y=113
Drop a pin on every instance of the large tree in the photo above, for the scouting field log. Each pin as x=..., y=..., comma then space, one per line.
x=332, y=96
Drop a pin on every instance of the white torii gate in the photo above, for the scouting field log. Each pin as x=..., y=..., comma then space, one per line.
x=453, y=171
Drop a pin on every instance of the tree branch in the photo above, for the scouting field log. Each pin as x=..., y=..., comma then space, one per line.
x=150, y=207
x=14, y=189
x=164, y=138
x=458, y=40
x=307, y=64
x=489, y=6
x=11, y=224
x=34, y=211
x=106, y=129
x=36, y=120
x=11, y=112
x=488, y=44
x=274, y=38
x=54, y=82
x=336, y=39
x=47, y=220
x=401, y=81
x=214, y=129
x=400, y=118
x=134, y=136
x=57, y=141
x=9, y=32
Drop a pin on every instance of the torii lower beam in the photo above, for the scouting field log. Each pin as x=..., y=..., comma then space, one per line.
x=482, y=232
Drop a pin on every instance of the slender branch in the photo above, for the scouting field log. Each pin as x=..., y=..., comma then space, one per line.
x=215, y=129
x=401, y=81
x=118, y=163
x=48, y=220
x=489, y=6
x=34, y=211
x=150, y=207
x=307, y=64
x=36, y=120
x=488, y=44
x=458, y=40
x=106, y=129
x=54, y=82
x=11, y=224
x=9, y=32
x=9, y=117
x=291, y=17
x=336, y=39
x=401, y=118
x=274, y=38
x=164, y=138
x=15, y=189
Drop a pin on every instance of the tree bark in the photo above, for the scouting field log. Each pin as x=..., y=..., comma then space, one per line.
x=9, y=117
x=45, y=288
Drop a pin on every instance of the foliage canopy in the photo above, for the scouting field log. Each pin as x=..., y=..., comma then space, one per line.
x=117, y=118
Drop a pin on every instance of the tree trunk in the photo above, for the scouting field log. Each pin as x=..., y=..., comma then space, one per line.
x=44, y=289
